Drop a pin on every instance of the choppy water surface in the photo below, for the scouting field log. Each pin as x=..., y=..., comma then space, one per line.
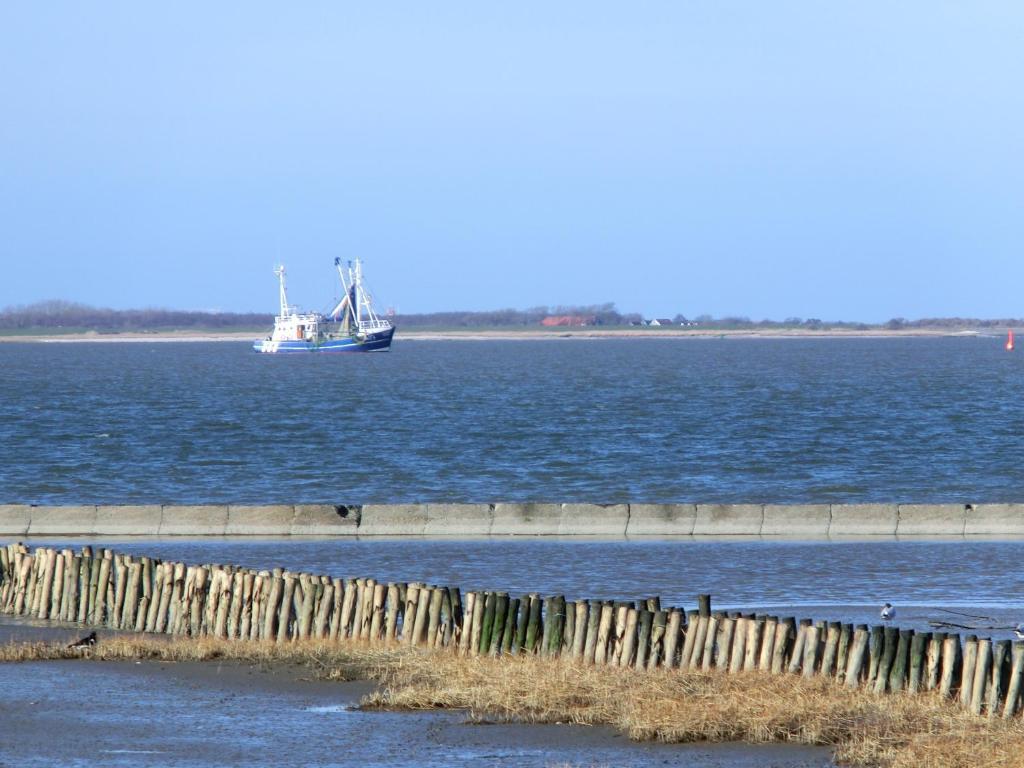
x=600, y=420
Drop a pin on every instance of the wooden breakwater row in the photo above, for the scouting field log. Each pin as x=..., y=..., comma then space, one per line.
x=516, y=519
x=104, y=589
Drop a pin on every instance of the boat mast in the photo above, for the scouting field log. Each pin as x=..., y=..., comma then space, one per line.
x=279, y=271
x=357, y=287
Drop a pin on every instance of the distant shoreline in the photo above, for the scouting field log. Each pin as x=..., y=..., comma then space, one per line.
x=518, y=335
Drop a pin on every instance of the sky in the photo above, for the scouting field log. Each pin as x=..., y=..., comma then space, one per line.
x=840, y=160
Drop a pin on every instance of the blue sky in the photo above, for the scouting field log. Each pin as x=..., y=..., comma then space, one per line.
x=841, y=160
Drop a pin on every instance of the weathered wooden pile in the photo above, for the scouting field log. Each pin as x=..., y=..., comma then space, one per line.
x=105, y=589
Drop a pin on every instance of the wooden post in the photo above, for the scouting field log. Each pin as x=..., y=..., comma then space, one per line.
x=689, y=638
x=419, y=628
x=933, y=661
x=950, y=657
x=918, y=645
x=201, y=584
x=568, y=628
x=338, y=597
x=546, y=618
x=764, y=661
x=248, y=589
x=843, y=653
x=509, y=634
x=855, y=661
x=811, y=646
x=457, y=617
x=710, y=639
x=519, y=643
x=500, y=614
x=629, y=638
x=487, y=624
x=57, y=588
x=358, y=605
x=275, y=586
x=697, y=652
x=659, y=624
x=876, y=643
x=349, y=593
x=535, y=625
x=175, y=602
x=621, y=617
x=831, y=651
x=437, y=596
x=673, y=632
x=467, y=624
x=1016, y=681
x=982, y=671
x=70, y=610
x=1000, y=658
x=391, y=614
x=796, y=658
x=785, y=633
x=83, y=588
x=723, y=644
x=739, y=644
x=46, y=584
x=238, y=600
x=898, y=673
x=303, y=599
x=967, y=671
x=161, y=606
x=131, y=596
x=120, y=587
x=891, y=643
x=557, y=624
x=366, y=610
x=582, y=623
x=477, y=623
x=604, y=630
x=446, y=622
x=378, y=600
x=100, y=613
x=755, y=631
x=146, y=593
x=645, y=624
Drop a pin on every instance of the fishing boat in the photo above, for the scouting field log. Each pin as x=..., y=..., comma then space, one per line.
x=352, y=326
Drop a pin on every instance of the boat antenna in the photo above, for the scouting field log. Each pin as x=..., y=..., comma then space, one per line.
x=279, y=271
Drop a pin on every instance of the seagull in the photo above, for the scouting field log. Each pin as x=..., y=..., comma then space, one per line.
x=887, y=612
x=1019, y=631
x=86, y=642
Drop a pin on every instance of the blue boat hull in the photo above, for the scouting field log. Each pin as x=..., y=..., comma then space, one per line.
x=374, y=342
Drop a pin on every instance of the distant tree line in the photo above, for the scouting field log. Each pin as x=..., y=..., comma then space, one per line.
x=65, y=314
x=604, y=314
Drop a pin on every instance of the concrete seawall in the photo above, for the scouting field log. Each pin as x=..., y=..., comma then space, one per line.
x=798, y=521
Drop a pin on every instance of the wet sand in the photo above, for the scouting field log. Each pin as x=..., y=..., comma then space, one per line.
x=214, y=713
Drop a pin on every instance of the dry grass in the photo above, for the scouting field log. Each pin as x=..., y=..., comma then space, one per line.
x=672, y=706
x=863, y=729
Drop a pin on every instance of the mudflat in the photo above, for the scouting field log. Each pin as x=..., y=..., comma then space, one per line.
x=213, y=713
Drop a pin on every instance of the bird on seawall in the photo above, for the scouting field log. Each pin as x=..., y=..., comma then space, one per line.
x=888, y=612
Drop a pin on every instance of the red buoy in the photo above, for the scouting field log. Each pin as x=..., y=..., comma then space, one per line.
x=1009, y=341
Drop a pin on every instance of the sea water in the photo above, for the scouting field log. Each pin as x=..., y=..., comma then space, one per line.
x=606, y=420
